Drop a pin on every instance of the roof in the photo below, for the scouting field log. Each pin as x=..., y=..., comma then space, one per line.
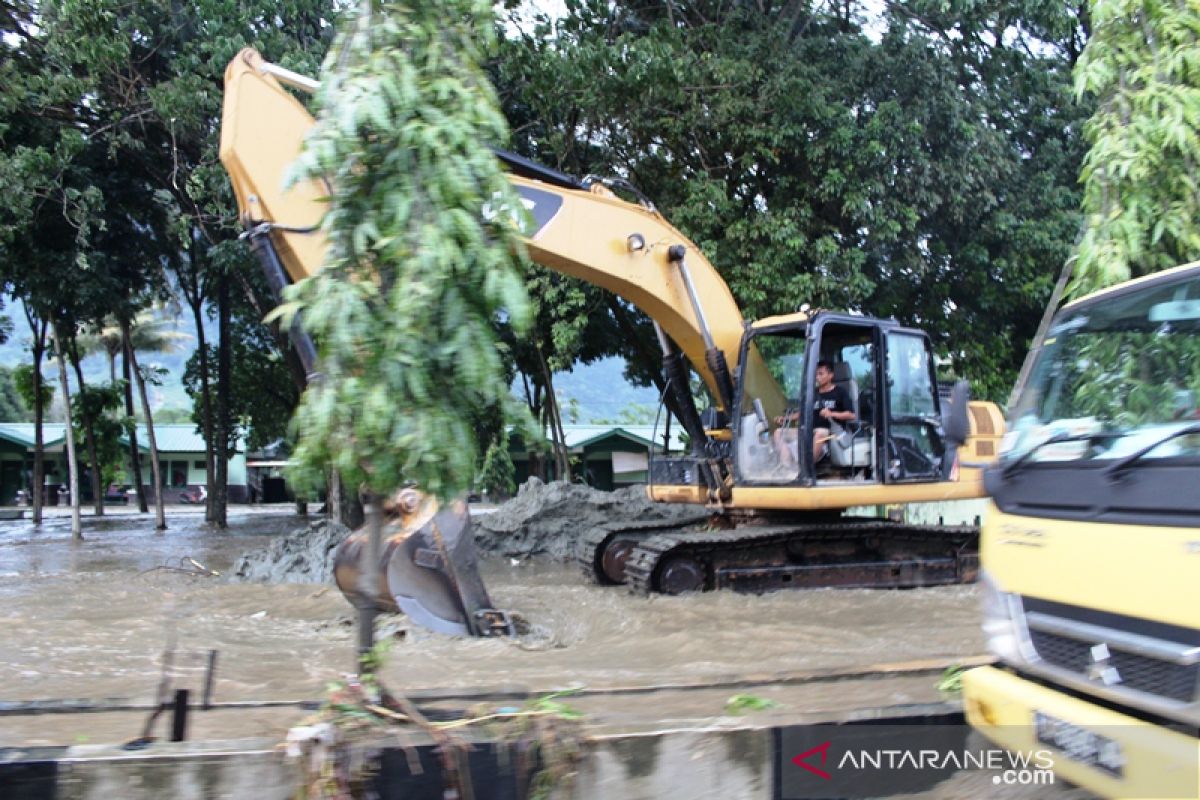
x=1108, y=292
x=170, y=438
x=643, y=437
x=181, y=438
x=22, y=433
x=580, y=436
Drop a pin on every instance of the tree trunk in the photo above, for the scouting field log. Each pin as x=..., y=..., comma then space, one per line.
x=206, y=415
x=368, y=584
x=135, y=453
x=221, y=453
x=72, y=463
x=193, y=291
x=533, y=399
x=38, y=328
x=89, y=435
x=344, y=506
x=561, y=458
x=160, y=515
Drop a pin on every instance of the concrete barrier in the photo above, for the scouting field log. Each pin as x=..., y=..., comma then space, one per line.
x=731, y=759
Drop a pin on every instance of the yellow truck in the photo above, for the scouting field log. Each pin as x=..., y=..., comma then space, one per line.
x=1090, y=553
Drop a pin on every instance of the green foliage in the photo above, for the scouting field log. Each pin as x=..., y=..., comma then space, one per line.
x=1126, y=379
x=263, y=395
x=928, y=173
x=102, y=404
x=16, y=393
x=951, y=680
x=173, y=415
x=1141, y=193
x=552, y=704
x=497, y=475
x=742, y=703
x=108, y=144
x=423, y=251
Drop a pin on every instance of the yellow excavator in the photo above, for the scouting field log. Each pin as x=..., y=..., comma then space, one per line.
x=771, y=512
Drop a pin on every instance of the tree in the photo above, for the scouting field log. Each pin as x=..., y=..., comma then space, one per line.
x=12, y=401
x=101, y=403
x=264, y=394
x=160, y=517
x=497, y=474
x=1141, y=199
x=923, y=169
x=149, y=333
x=402, y=309
x=415, y=274
x=571, y=323
x=38, y=393
x=72, y=461
x=108, y=122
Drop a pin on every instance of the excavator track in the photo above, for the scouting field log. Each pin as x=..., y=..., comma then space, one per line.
x=846, y=554
x=602, y=552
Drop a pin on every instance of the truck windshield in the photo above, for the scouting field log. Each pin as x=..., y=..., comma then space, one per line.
x=1116, y=375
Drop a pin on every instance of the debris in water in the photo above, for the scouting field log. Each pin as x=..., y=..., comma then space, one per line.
x=188, y=566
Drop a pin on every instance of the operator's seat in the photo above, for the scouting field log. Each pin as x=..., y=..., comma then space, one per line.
x=852, y=445
x=844, y=377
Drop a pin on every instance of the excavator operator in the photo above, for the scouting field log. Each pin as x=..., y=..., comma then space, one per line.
x=832, y=404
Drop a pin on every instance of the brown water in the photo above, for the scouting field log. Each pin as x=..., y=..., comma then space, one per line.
x=91, y=620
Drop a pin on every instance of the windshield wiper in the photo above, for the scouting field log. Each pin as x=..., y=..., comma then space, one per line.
x=1118, y=466
x=1009, y=469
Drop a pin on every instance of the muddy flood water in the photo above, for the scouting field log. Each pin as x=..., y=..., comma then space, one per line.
x=91, y=620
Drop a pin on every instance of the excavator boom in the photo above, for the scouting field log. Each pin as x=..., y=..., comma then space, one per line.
x=586, y=232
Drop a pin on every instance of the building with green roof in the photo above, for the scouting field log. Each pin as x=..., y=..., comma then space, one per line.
x=180, y=455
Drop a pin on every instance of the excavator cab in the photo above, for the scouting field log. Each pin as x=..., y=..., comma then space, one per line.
x=886, y=376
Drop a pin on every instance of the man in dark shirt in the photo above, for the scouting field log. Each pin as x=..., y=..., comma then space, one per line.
x=832, y=404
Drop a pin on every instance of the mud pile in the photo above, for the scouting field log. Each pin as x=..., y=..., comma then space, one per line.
x=303, y=556
x=544, y=519
x=547, y=518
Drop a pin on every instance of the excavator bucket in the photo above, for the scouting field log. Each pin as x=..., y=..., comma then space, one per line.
x=428, y=570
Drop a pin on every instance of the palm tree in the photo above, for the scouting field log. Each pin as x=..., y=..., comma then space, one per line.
x=150, y=332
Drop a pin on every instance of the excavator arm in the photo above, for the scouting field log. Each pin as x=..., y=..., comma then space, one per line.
x=584, y=231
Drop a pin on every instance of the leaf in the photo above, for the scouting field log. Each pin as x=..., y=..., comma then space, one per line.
x=742, y=703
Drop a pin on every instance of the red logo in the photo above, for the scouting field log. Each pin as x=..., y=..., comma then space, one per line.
x=823, y=749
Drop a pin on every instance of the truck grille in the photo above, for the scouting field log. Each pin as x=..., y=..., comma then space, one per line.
x=1141, y=673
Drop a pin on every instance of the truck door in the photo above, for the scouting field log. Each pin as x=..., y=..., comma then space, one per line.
x=913, y=442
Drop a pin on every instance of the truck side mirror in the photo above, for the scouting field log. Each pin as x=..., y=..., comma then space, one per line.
x=956, y=424
x=955, y=421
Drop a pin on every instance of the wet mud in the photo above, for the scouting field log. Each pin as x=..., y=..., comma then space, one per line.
x=545, y=519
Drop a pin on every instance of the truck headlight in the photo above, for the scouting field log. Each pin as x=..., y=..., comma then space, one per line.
x=1001, y=624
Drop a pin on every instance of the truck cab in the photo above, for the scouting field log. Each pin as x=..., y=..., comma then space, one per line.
x=1091, y=551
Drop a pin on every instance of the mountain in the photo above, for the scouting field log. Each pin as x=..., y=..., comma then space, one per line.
x=96, y=368
x=589, y=393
